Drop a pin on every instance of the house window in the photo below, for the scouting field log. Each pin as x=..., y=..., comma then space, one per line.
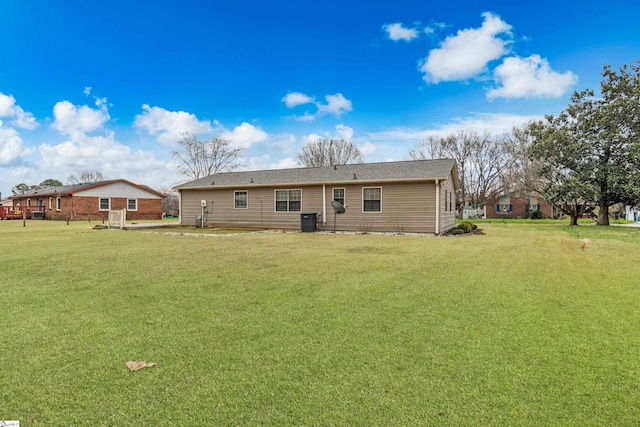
x=372, y=199
x=446, y=204
x=105, y=203
x=450, y=202
x=338, y=195
x=132, y=204
x=50, y=202
x=58, y=203
x=28, y=202
x=240, y=199
x=288, y=200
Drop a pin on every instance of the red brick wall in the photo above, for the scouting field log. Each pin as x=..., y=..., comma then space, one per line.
x=81, y=208
x=518, y=209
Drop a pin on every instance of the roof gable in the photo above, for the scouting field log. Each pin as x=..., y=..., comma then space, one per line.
x=78, y=188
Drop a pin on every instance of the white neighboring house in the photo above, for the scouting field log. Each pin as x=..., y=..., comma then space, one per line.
x=632, y=213
x=6, y=202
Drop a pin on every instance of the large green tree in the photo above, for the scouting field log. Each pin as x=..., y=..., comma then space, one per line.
x=590, y=153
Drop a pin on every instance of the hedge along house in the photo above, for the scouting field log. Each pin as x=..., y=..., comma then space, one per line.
x=94, y=200
x=409, y=196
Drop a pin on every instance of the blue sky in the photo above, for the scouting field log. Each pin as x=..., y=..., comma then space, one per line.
x=110, y=86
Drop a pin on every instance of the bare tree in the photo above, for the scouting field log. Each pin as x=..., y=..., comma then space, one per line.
x=481, y=161
x=201, y=158
x=170, y=203
x=431, y=147
x=328, y=152
x=86, y=176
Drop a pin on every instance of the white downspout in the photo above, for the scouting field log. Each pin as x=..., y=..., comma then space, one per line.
x=437, y=206
x=324, y=204
x=180, y=207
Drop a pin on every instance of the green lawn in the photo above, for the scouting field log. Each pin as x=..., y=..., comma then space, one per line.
x=518, y=326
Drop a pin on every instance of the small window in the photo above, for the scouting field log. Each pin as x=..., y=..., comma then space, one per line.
x=132, y=204
x=58, y=203
x=240, y=199
x=446, y=204
x=50, y=202
x=288, y=200
x=28, y=202
x=372, y=199
x=105, y=204
x=338, y=195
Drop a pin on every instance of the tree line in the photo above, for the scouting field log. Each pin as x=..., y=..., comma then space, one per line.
x=86, y=176
x=586, y=158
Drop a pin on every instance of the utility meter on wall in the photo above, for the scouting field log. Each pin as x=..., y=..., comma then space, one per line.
x=203, y=203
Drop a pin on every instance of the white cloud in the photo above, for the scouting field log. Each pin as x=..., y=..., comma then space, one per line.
x=87, y=90
x=293, y=99
x=11, y=148
x=368, y=148
x=306, y=117
x=169, y=126
x=344, y=132
x=336, y=104
x=467, y=54
x=530, y=77
x=399, y=32
x=312, y=137
x=245, y=135
x=20, y=118
x=72, y=119
x=102, y=153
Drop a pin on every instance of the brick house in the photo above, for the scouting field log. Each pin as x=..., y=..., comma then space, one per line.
x=518, y=205
x=94, y=200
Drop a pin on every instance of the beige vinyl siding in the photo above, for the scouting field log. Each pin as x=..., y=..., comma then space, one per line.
x=447, y=216
x=260, y=212
x=406, y=207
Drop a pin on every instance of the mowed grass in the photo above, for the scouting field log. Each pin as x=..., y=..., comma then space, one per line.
x=518, y=326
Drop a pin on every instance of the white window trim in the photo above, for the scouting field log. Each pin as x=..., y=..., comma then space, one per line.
x=275, y=201
x=100, y=204
x=344, y=193
x=50, y=203
x=131, y=210
x=371, y=212
x=58, y=203
x=234, y=199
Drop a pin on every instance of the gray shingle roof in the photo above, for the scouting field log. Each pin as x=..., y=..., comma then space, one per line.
x=364, y=172
x=70, y=189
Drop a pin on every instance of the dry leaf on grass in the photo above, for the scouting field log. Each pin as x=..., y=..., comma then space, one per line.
x=136, y=366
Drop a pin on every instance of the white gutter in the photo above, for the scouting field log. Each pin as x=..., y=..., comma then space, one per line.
x=437, y=206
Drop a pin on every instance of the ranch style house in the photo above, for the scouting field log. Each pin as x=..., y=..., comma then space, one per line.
x=92, y=201
x=408, y=196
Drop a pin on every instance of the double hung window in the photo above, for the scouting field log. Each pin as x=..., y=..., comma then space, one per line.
x=288, y=200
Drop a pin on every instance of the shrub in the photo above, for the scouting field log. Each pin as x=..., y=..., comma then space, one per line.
x=466, y=226
x=537, y=214
x=456, y=231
